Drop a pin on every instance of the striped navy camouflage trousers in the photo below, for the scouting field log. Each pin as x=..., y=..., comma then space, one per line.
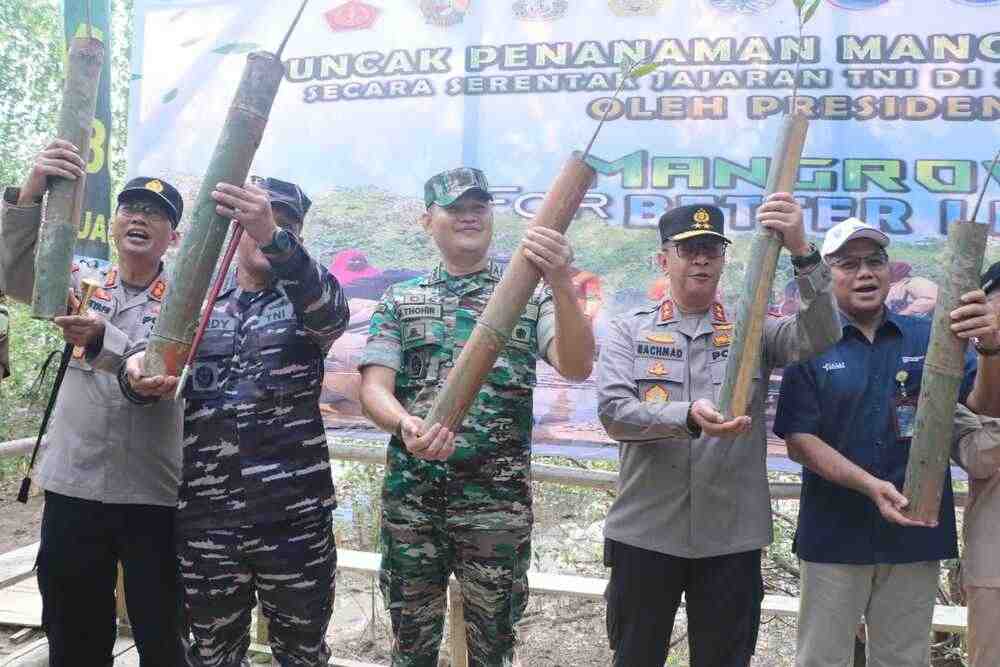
x=290, y=565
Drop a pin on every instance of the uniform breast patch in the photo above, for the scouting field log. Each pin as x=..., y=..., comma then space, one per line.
x=417, y=311
x=659, y=351
x=656, y=394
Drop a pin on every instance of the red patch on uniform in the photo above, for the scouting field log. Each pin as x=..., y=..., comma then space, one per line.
x=667, y=310
x=111, y=279
x=102, y=295
x=159, y=289
x=718, y=312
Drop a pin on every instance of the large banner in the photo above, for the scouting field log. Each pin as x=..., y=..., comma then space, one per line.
x=381, y=94
x=92, y=239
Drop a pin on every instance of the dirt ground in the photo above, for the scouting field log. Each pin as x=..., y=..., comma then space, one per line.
x=555, y=631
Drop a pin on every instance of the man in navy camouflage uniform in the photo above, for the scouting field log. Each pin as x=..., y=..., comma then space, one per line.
x=256, y=491
x=461, y=502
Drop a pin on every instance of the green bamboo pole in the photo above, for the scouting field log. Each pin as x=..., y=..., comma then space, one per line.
x=64, y=202
x=507, y=302
x=942, y=375
x=171, y=337
x=746, y=348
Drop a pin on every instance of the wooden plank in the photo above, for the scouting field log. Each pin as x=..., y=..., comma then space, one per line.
x=21, y=604
x=456, y=625
x=17, y=565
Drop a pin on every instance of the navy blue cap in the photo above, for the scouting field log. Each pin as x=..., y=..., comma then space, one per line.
x=158, y=190
x=288, y=195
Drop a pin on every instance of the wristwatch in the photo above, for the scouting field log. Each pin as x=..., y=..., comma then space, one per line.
x=810, y=258
x=280, y=243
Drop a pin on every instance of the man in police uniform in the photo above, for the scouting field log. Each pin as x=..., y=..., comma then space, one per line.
x=256, y=493
x=110, y=470
x=461, y=502
x=693, y=509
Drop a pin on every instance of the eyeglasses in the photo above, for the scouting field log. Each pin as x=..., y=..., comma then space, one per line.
x=691, y=249
x=148, y=209
x=852, y=264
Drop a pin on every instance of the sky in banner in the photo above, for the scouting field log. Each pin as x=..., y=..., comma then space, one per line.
x=386, y=93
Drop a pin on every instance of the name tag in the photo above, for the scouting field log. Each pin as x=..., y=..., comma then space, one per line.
x=659, y=351
x=417, y=311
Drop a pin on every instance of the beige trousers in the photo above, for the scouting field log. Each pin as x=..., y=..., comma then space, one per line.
x=984, y=626
x=896, y=601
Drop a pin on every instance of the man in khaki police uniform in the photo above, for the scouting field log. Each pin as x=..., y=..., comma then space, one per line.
x=110, y=469
x=693, y=508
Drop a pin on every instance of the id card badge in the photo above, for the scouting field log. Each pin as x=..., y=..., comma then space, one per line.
x=906, y=417
x=905, y=408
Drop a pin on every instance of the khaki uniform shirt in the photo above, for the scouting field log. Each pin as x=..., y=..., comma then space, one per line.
x=100, y=446
x=680, y=494
x=977, y=448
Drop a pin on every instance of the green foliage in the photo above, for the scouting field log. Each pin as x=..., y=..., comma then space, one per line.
x=31, y=341
x=805, y=10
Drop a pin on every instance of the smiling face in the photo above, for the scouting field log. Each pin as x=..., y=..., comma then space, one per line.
x=694, y=271
x=462, y=231
x=142, y=230
x=860, y=272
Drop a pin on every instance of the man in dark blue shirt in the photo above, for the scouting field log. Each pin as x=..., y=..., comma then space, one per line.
x=848, y=416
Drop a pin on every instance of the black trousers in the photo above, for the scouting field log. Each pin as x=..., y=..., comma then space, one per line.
x=81, y=543
x=723, y=595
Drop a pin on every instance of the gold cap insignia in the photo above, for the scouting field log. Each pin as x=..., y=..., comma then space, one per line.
x=901, y=376
x=701, y=219
x=154, y=186
x=656, y=394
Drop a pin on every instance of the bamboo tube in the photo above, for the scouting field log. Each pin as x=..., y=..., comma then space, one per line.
x=172, y=334
x=943, y=372
x=745, y=351
x=64, y=204
x=508, y=301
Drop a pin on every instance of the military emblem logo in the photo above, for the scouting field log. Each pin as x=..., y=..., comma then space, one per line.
x=635, y=7
x=539, y=10
x=656, y=394
x=658, y=369
x=667, y=311
x=353, y=15
x=701, y=219
x=444, y=13
x=154, y=186
x=742, y=6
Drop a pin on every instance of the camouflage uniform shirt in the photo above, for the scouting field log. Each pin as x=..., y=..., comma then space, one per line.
x=254, y=441
x=418, y=330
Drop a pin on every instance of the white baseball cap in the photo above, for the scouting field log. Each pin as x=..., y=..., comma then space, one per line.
x=850, y=229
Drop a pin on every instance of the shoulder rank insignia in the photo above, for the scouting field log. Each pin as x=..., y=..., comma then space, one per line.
x=656, y=394
x=158, y=290
x=658, y=369
x=723, y=326
x=667, y=310
x=664, y=338
x=721, y=339
x=718, y=312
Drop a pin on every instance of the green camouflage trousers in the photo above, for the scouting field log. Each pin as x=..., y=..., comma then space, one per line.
x=420, y=549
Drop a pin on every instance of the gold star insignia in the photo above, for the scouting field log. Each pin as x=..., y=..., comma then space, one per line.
x=155, y=186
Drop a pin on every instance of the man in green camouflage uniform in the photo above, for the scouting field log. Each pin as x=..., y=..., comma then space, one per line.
x=461, y=502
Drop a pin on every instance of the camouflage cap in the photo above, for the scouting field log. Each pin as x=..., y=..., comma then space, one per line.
x=444, y=188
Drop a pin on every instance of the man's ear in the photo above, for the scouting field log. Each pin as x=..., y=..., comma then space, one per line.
x=175, y=236
x=661, y=260
x=425, y=220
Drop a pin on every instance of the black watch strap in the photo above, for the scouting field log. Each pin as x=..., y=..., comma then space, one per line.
x=810, y=258
x=280, y=243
